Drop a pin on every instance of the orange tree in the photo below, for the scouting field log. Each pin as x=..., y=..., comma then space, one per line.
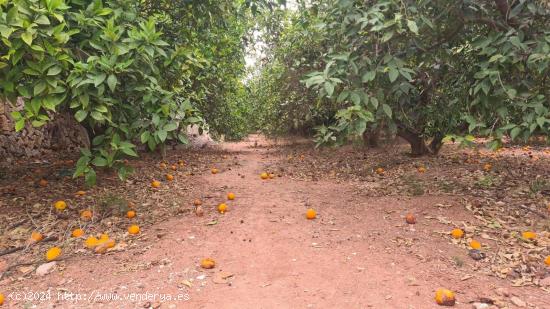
x=430, y=69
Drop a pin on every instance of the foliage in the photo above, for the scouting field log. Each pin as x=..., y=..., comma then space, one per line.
x=430, y=68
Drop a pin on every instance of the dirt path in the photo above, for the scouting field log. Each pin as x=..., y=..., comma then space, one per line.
x=358, y=253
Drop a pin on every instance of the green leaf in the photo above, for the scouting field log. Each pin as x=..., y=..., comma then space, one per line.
x=161, y=134
x=90, y=178
x=19, y=124
x=369, y=76
x=170, y=127
x=81, y=115
x=27, y=38
x=99, y=78
x=393, y=74
x=412, y=26
x=99, y=161
x=329, y=88
x=515, y=132
x=145, y=137
x=111, y=82
x=129, y=151
x=387, y=110
x=54, y=71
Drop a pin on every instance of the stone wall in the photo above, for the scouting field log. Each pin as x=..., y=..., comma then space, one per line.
x=61, y=133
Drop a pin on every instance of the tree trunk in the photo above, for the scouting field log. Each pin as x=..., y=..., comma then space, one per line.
x=418, y=146
x=371, y=138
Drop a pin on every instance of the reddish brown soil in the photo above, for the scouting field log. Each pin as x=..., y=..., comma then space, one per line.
x=358, y=253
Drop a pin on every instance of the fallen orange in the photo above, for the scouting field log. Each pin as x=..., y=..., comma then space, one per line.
x=86, y=215
x=230, y=196
x=60, y=205
x=131, y=214
x=91, y=242
x=311, y=214
x=457, y=233
x=380, y=171
x=155, y=184
x=208, y=263
x=474, y=244
x=169, y=177
x=529, y=235
x=445, y=297
x=222, y=208
x=53, y=253
x=547, y=261
x=133, y=229
x=214, y=170
x=36, y=236
x=264, y=175
x=410, y=219
x=77, y=233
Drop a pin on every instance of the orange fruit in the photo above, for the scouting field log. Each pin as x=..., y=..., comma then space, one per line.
x=155, y=184
x=547, y=261
x=43, y=182
x=410, y=219
x=487, y=167
x=181, y=163
x=103, y=237
x=1, y=299
x=80, y=193
x=103, y=246
x=91, y=242
x=197, y=202
x=231, y=196
x=311, y=214
x=60, y=205
x=529, y=235
x=271, y=175
x=77, y=233
x=174, y=167
x=53, y=253
x=36, y=236
x=86, y=215
x=133, y=229
x=222, y=208
x=264, y=175
x=130, y=214
x=208, y=263
x=422, y=169
x=169, y=177
x=380, y=171
x=457, y=233
x=214, y=170
x=474, y=244
x=162, y=165
x=445, y=297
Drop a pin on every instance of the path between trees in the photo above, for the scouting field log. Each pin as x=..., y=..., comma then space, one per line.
x=358, y=253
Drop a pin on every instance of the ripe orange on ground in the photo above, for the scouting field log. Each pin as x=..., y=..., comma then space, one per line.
x=197, y=202
x=474, y=244
x=174, y=167
x=487, y=167
x=103, y=237
x=457, y=233
x=36, y=236
x=264, y=175
x=60, y=205
x=230, y=196
x=130, y=214
x=380, y=171
x=445, y=297
x=422, y=169
x=1, y=299
x=77, y=233
x=547, y=261
x=410, y=219
x=133, y=229
x=222, y=208
x=155, y=184
x=91, y=242
x=311, y=214
x=86, y=215
x=214, y=170
x=53, y=253
x=43, y=182
x=169, y=177
x=529, y=235
x=208, y=263
x=162, y=165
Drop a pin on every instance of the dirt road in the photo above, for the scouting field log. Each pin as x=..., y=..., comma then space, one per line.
x=358, y=253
